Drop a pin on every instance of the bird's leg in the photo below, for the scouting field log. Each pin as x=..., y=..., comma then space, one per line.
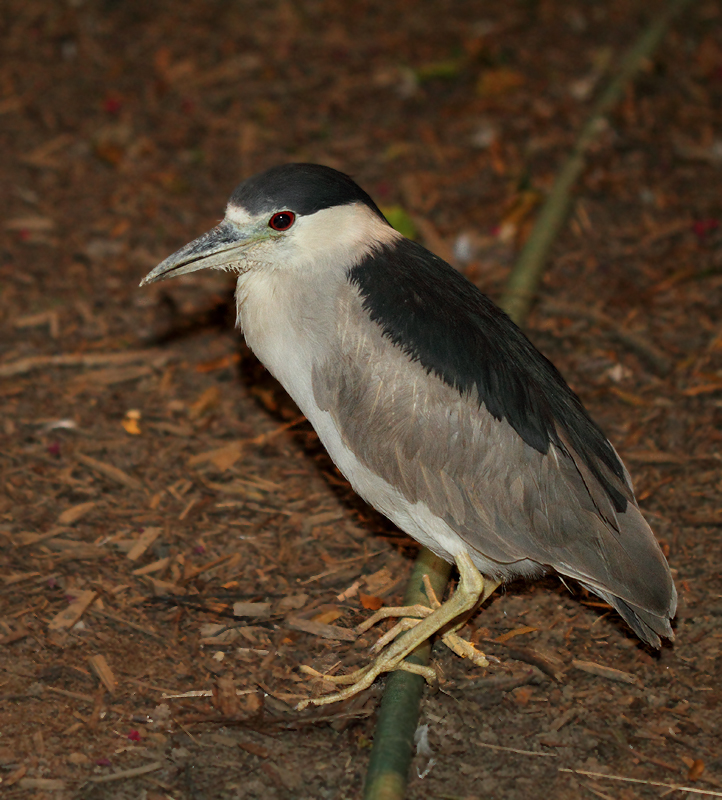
x=455, y=643
x=468, y=593
x=451, y=639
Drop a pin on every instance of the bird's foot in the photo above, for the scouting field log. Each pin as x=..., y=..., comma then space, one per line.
x=363, y=678
x=418, y=624
x=411, y=615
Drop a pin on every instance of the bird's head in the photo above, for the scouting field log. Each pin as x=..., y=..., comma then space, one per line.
x=291, y=217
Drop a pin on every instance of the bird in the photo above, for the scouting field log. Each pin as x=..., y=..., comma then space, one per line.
x=433, y=404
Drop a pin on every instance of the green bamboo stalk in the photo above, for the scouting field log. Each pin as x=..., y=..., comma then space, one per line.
x=401, y=703
x=393, y=747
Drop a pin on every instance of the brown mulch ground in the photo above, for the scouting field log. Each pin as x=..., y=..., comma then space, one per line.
x=153, y=476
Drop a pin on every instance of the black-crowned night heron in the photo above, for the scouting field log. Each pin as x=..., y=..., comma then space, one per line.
x=434, y=405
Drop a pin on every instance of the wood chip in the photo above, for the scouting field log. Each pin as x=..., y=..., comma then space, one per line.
x=144, y=541
x=25, y=539
x=352, y=591
x=221, y=457
x=155, y=566
x=254, y=749
x=14, y=776
x=11, y=580
x=376, y=581
x=72, y=550
x=69, y=616
x=208, y=400
x=109, y=471
x=192, y=572
x=223, y=638
x=564, y=719
x=254, y=610
x=36, y=223
x=224, y=458
x=516, y=632
x=225, y=741
x=292, y=602
x=163, y=588
x=75, y=513
x=320, y=629
x=609, y=673
x=324, y=518
x=225, y=697
x=103, y=672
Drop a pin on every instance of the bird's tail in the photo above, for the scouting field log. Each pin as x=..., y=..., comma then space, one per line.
x=647, y=625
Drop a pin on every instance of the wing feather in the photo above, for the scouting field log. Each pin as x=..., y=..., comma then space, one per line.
x=508, y=502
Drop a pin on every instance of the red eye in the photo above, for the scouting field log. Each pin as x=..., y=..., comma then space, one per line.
x=282, y=221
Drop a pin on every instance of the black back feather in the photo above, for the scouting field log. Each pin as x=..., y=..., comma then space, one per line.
x=441, y=320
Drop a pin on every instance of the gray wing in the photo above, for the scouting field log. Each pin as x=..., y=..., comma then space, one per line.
x=508, y=502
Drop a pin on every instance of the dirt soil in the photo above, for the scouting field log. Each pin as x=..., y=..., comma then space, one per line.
x=174, y=542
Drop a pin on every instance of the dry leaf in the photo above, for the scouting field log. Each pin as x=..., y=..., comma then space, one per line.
x=327, y=617
x=371, y=602
x=695, y=770
x=131, y=422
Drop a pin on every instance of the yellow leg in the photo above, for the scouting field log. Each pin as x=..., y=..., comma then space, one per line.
x=469, y=592
x=450, y=638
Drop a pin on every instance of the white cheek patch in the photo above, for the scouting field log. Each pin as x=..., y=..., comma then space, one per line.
x=334, y=238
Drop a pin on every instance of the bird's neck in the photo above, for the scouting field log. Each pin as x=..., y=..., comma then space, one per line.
x=285, y=321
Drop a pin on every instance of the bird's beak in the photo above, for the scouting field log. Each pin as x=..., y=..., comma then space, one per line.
x=219, y=248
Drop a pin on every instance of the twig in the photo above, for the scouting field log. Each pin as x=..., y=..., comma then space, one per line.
x=553, y=668
x=675, y=786
x=602, y=671
x=127, y=773
x=25, y=365
x=85, y=698
x=504, y=683
x=526, y=275
x=96, y=612
x=111, y=472
x=515, y=750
